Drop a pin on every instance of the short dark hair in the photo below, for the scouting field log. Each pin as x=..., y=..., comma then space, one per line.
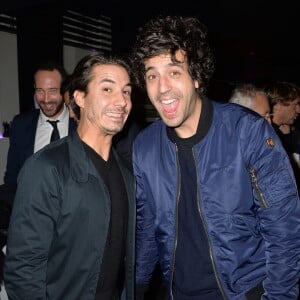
x=49, y=65
x=82, y=74
x=169, y=34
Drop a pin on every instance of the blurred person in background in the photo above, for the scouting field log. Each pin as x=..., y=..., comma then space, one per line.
x=31, y=131
x=284, y=99
x=248, y=95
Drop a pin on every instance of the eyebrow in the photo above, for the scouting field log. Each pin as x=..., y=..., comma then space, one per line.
x=171, y=64
x=47, y=89
x=149, y=68
x=107, y=80
x=113, y=81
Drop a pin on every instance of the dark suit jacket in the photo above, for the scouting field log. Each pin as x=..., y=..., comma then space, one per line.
x=21, y=139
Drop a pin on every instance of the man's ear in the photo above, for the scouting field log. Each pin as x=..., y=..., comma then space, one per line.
x=79, y=98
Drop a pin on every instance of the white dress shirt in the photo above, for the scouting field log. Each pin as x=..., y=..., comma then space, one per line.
x=44, y=129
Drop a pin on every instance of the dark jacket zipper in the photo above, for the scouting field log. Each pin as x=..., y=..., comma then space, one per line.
x=207, y=237
x=256, y=187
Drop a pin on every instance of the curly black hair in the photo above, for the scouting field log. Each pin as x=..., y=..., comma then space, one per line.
x=168, y=35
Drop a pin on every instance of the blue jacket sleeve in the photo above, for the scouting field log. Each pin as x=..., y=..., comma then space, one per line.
x=146, y=247
x=278, y=211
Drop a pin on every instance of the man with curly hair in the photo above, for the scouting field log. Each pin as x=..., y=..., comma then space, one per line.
x=217, y=202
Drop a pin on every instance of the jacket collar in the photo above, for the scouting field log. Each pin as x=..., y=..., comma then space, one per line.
x=80, y=164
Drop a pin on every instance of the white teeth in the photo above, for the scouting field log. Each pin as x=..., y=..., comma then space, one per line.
x=168, y=101
x=118, y=115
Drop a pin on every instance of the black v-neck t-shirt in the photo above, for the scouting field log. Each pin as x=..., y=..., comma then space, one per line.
x=111, y=277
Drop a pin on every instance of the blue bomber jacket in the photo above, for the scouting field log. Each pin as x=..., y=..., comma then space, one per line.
x=248, y=202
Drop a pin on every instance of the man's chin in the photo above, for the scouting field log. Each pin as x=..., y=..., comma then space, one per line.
x=171, y=122
x=115, y=130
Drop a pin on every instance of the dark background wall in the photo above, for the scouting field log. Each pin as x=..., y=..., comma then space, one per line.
x=39, y=38
x=254, y=40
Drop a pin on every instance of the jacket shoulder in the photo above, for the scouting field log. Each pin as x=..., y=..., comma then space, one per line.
x=24, y=120
x=53, y=154
x=26, y=116
x=150, y=131
x=234, y=111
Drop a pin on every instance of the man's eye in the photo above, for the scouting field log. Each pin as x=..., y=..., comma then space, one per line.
x=150, y=77
x=127, y=93
x=175, y=73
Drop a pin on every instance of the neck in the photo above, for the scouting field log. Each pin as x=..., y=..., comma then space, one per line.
x=190, y=125
x=100, y=143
